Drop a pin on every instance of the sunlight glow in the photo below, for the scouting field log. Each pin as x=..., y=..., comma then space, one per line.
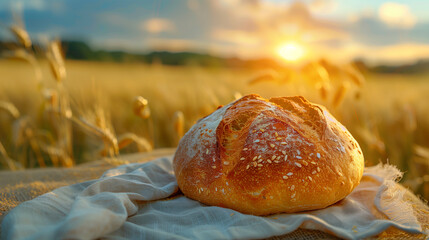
x=291, y=52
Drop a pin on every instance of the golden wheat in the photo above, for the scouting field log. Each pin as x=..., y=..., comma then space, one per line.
x=24, y=55
x=23, y=133
x=354, y=75
x=51, y=98
x=56, y=60
x=7, y=161
x=141, y=108
x=340, y=93
x=324, y=88
x=111, y=143
x=179, y=125
x=143, y=145
x=10, y=109
x=237, y=95
x=264, y=76
x=386, y=127
x=21, y=35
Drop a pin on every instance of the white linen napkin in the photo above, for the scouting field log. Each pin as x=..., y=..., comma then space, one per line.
x=139, y=201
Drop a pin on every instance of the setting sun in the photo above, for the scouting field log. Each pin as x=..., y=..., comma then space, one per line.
x=291, y=51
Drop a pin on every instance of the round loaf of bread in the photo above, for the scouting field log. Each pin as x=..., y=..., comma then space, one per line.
x=261, y=157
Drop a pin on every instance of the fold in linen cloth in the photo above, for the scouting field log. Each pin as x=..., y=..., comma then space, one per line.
x=139, y=201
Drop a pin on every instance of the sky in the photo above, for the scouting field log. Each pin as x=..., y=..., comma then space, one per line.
x=388, y=32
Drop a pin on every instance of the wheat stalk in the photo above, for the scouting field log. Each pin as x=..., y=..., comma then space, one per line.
x=59, y=99
x=56, y=60
x=10, y=109
x=126, y=139
x=99, y=129
x=140, y=107
x=322, y=73
x=237, y=95
x=142, y=110
x=179, y=125
x=35, y=146
x=24, y=55
x=21, y=35
x=106, y=135
x=340, y=94
x=55, y=155
x=354, y=75
x=324, y=88
x=265, y=76
x=23, y=132
x=51, y=98
x=44, y=136
x=9, y=162
x=57, y=103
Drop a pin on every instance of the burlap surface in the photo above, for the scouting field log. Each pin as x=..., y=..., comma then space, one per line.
x=20, y=186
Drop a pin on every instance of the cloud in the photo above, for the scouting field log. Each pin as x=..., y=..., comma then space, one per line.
x=193, y=5
x=20, y=5
x=243, y=28
x=323, y=6
x=114, y=19
x=272, y=24
x=390, y=54
x=157, y=25
x=364, y=14
x=401, y=53
x=236, y=36
x=396, y=15
x=372, y=31
x=398, y=53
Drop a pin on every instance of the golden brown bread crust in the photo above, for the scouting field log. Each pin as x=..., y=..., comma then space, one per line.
x=262, y=157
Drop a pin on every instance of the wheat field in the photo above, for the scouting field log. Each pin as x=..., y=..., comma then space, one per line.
x=103, y=115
